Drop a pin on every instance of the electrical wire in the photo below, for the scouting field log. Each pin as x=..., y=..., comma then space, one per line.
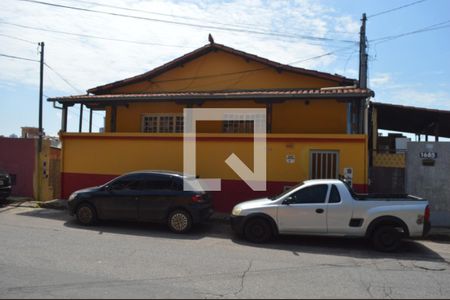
x=64, y=79
x=18, y=57
x=395, y=9
x=276, y=34
x=18, y=39
x=93, y=36
x=242, y=25
x=436, y=26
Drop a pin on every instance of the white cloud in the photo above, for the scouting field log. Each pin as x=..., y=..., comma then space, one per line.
x=89, y=62
x=380, y=80
x=436, y=100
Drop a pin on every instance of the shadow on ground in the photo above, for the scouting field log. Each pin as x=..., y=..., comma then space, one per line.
x=357, y=248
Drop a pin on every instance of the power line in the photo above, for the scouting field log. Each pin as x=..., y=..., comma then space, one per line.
x=396, y=8
x=276, y=34
x=320, y=56
x=18, y=57
x=246, y=25
x=64, y=79
x=93, y=36
x=243, y=25
x=436, y=26
x=19, y=39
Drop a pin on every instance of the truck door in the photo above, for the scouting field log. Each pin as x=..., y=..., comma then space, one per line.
x=304, y=211
x=339, y=212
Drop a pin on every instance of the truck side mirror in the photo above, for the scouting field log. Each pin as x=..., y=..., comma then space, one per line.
x=288, y=200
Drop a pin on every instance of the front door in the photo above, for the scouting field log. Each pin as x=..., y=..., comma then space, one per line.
x=304, y=211
x=120, y=200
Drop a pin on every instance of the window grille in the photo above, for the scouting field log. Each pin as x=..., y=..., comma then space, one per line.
x=324, y=164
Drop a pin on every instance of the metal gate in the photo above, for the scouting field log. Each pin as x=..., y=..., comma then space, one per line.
x=324, y=164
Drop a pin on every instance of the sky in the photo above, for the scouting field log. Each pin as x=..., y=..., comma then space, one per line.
x=84, y=49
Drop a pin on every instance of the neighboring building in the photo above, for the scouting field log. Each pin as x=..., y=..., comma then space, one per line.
x=30, y=132
x=316, y=124
x=29, y=171
x=420, y=168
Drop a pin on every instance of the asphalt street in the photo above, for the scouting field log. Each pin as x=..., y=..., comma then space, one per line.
x=45, y=254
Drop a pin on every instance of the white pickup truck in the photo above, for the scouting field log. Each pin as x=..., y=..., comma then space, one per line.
x=330, y=207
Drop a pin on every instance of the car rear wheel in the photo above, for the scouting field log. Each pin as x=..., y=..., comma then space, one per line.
x=179, y=221
x=257, y=230
x=86, y=214
x=387, y=238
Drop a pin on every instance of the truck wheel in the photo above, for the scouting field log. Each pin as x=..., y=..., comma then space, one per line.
x=257, y=230
x=179, y=221
x=386, y=238
x=86, y=214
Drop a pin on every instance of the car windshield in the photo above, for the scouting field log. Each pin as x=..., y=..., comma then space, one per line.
x=273, y=198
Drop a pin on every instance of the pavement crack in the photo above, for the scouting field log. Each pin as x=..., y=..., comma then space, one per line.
x=429, y=269
x=244, y=274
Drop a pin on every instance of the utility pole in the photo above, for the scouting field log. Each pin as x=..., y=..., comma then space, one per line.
x=41, y=92
x=363, y=54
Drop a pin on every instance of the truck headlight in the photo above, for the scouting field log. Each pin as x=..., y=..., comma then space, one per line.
x=236, y=211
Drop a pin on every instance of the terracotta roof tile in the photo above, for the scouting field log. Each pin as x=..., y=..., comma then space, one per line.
x=248, y=94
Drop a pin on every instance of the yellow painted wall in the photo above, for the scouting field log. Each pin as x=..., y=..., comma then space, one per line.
x=164, y=151
x=208, y=66
x=44, y=180
x=320, y=116
x=292, y=116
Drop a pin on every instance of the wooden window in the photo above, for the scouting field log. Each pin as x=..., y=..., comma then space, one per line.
x=162, y=123
x=324, y=165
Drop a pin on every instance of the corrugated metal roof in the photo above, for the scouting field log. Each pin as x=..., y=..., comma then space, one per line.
x=413, y=119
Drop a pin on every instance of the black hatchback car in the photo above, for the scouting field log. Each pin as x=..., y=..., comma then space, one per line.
x=5, y=185
x=147, y=196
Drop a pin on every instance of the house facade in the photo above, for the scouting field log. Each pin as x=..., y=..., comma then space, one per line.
x=316, y=124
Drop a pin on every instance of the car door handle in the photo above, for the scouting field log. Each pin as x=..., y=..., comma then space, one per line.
x=319, y=210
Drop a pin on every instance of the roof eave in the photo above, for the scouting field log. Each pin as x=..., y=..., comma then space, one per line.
x=267, y=97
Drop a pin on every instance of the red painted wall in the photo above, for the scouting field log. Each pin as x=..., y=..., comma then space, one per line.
x=17, y=156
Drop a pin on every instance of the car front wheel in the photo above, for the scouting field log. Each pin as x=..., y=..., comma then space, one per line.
x=257, y=230
x=86, y=214
x=179, y=221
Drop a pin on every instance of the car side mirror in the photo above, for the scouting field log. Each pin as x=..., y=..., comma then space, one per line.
x=107, y=188
x=288, y=200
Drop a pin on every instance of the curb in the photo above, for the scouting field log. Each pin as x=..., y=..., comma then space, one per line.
x=59, y=204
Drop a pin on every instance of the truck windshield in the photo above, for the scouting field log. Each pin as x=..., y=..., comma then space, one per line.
x=273, y=198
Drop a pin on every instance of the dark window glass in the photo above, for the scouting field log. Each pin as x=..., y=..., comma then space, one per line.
x=156, y=183
x=335, y=197
x=125, y=184
x=177, y=185
x=311, y=194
